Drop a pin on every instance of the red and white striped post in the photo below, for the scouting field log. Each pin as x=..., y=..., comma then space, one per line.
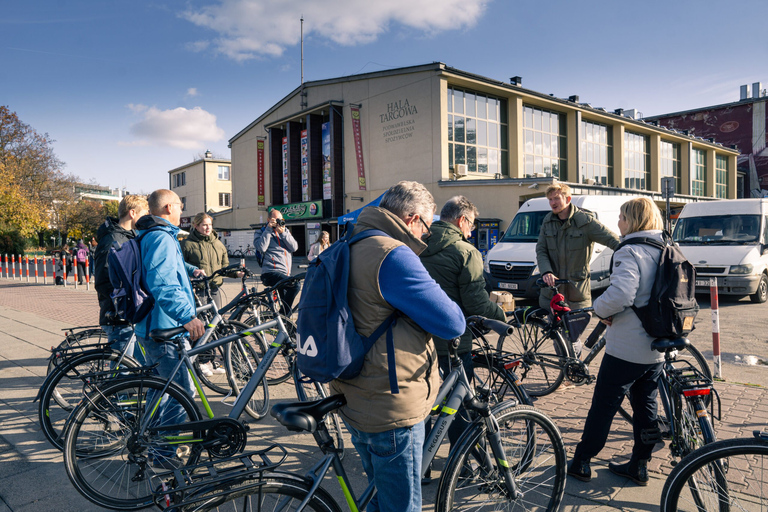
x=715, y=328
x=87, y=273
x=74, y=273
x=45, y=271
x=53, y=267
x=36, y=280
x=26, y=265
x=64, y=268
x=13, y=266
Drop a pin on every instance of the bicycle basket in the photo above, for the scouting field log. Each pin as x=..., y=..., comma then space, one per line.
x=575, y=323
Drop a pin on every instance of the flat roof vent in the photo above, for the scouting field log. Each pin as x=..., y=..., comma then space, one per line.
x=574, y=98
x=757, y=87
x=516, y=80
x=743, y=92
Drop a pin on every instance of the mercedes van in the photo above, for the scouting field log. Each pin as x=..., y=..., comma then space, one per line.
x=727, y=240
x=511, y=264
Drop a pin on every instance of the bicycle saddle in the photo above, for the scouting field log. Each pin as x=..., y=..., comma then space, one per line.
x=664, y=344
x=304, y=416
x=160, y=335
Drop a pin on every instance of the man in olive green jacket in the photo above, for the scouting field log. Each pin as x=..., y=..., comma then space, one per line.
x=457, y=266
x=564, y=249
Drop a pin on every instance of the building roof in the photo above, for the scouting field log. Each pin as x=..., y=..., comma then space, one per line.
x=212, y=160
x=747, y=101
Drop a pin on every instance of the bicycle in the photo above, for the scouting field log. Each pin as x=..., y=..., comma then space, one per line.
x=509, y=457
x=721, y=476
x=250, y=251
x=237, y=253
x=119, y=435
x=540, y=341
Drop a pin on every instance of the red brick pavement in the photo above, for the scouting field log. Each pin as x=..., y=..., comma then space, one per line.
x=74, y=307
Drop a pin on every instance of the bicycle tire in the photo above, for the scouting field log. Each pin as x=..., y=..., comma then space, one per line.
x=732, y=472
x=539, y=352
x=104, y=457
x=504, y=384
x=308, y=390
x=62, y=390
x=695, y=431
x=237, y=253
x=535, y=453
x=691, y=355
x=217, y=381
x=264, y=494
x=281, y=368
x=242, y=358
x=74, y=340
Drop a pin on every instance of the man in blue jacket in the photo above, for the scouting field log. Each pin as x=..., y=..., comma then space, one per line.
x=167, y=279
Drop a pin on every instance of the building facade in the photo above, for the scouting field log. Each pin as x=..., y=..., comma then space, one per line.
x=740, y=124
x=204, y=185
x=331, y=146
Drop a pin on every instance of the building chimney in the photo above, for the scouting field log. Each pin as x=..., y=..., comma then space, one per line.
x=516, y=80
x=208, y=154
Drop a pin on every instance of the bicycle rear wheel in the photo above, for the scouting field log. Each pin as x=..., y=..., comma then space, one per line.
x=543, y=356
x=242, y=359
x=63, y=390
x=84, y=338
x=503, y=383
x=105, y=458
x=210, y=366
x=308, y=390
x=725, y=475
x=284, y=493
x=536, y=456
x=281, y=368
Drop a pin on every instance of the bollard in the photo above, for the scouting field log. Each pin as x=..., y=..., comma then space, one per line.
x=36, y=280
x=45, y=271
x=26, y=265
x=13, y=266
x=718, y=374
x=64, y=269
x=87, y=273
x=74, y=273
x=53, y=266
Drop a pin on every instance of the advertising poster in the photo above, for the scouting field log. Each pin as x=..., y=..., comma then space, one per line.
x=304, y=167
x=326, y=161
x=358, y=147
x=285, y=170
x=260, y=171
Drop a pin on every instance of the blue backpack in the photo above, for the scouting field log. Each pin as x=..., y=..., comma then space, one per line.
x=329, y=347
x=133, y=302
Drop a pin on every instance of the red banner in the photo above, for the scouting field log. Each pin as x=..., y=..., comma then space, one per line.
x=260, y=171
x=358, y=147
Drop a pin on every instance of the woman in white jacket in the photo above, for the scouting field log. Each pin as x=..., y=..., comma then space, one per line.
x=629, y=363
x=322, y=244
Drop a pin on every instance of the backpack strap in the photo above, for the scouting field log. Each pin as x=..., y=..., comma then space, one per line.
x=635, y=241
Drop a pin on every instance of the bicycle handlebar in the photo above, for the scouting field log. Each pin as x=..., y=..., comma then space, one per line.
x=497, y=326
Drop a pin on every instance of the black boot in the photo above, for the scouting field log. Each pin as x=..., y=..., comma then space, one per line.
x=580, y=470
x=636, y=470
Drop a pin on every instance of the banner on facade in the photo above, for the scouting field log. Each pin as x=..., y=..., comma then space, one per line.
x=326, y=161
x=285, y=169
x=358, y=147
x=298, y=211
x=260, y=171
x=304, y=167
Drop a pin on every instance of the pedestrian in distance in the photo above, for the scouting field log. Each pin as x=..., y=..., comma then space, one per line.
x=629, y=363
x=277, y=246
x=92, y=255
x=322, y=244
x=386, y=277
x=81, y=257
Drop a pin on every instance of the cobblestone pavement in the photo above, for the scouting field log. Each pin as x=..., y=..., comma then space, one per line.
x=31, y=317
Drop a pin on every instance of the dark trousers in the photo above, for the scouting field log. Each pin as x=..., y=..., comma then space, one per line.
x=288, y=293
x=463, y=419
x=615, y=378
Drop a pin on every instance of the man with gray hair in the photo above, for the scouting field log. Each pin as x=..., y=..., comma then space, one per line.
x=386, y=277
x=457, y=266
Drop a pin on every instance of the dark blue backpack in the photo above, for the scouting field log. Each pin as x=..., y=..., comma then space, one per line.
x=329, y=346
x=130, y=296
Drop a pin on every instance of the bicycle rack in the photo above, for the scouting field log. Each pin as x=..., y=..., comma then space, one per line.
x=689, y=380
x=174, y=487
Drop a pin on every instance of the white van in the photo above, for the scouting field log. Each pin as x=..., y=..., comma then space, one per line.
x=511, y=264
x=728, y=240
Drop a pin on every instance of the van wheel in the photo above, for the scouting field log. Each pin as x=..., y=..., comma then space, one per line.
x=761, y=295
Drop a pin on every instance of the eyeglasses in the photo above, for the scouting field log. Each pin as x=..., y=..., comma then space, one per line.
x=426, y=228
x=472, y=223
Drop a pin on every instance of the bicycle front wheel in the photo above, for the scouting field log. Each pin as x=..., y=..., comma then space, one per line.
x=284, y=493
x=725, y=475
x=280, y=369
x=503, y=383
x=107, y=460
x=308, y=390
x=536, y=457
x=543, y=356
x=242, y=360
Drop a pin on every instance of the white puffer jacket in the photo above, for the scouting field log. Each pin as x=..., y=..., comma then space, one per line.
x=632, y=276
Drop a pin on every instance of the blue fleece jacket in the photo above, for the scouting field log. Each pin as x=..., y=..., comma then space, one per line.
x=166, y=275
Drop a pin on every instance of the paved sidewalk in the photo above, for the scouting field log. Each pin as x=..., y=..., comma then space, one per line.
x=32, y=476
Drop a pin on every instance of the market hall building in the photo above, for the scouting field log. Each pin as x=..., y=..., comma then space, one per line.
x=331, y=146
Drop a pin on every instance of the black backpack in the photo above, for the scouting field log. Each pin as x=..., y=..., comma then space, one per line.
x=672, y=306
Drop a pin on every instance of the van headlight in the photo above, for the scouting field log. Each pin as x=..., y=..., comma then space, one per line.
x=486, y=265
x=535, y=270
x=741, y=269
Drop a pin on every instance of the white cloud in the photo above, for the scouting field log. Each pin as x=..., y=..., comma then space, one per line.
x=179, y=127
x=248, y=29
x=192, y=92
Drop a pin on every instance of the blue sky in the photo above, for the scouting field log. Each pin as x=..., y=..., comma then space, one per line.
x=130, y=89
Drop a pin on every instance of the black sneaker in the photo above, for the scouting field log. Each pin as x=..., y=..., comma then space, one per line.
x=580, y=470
x=635, y=470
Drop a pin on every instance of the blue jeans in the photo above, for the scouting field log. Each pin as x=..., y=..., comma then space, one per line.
x=393, y=460
x=120, y=337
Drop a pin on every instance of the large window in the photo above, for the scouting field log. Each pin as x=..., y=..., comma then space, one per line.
x=179, y=179
x=637, y=161
x=670, y=162
x=544, y=147
x=224, y=199
x=183, y=203
x=721, y=175
x=596, y=153
x=477, y=132
x=698, y=173
x=224, y=172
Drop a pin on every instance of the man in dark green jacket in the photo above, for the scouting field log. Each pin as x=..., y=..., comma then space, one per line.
x=457, y=266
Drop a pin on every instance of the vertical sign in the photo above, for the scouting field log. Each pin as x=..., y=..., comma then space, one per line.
x=304, y=167
x=358, y=147
x=326, y=161
x=285, y=170
x=260, y=171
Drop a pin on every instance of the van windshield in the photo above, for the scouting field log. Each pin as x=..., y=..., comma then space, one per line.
x=718, y=230
x=525, y=227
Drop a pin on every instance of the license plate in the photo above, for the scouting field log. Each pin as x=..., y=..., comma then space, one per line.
x=508, y=286
x=702, y=282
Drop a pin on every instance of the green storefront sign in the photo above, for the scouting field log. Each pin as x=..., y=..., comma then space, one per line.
x=298, y=211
